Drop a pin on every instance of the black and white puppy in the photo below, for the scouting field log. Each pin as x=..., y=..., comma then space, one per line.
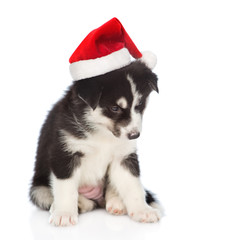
x=86, y=154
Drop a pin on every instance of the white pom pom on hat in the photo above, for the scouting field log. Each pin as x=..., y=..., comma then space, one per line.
x=149, y=58
x=105, y=49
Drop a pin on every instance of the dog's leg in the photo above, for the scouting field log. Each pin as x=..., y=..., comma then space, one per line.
x=114, y=203
x=64, y=210
x=124, y=176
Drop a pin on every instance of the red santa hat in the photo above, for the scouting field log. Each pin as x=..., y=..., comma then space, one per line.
x=105, y=49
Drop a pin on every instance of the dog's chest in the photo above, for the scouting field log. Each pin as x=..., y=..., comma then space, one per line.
x=99, y=151
x=95, y=162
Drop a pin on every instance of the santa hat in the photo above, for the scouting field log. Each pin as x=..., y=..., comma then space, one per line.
x=105, y=49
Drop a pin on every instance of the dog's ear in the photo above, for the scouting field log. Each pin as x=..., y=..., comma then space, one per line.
x=153, y=82
x=90, y=92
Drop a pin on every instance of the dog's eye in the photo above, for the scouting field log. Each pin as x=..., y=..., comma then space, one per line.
x=140, y=103
x=114, y=108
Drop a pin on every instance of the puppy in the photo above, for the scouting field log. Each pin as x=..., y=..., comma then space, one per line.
x=86, y=156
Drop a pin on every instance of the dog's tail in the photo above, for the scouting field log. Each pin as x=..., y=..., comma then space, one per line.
x=41, y=196
x=153, y=201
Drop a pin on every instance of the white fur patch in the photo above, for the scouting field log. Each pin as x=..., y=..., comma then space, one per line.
x=136, y=122
x=122, y=103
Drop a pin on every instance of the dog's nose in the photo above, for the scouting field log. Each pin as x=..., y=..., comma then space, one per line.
x=133, y=135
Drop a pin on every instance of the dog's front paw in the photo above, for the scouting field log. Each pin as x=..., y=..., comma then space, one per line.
x=115, y=206
x=146, y=215
x=63, y=219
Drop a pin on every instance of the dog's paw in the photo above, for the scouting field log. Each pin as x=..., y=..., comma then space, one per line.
x=63, y=219
x=115, y=206
x=85, y=205
x=146, y=215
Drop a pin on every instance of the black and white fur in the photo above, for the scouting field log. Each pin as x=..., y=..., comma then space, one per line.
x=88, y=139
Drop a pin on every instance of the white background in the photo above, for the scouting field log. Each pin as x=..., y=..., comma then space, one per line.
x=185, y=145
